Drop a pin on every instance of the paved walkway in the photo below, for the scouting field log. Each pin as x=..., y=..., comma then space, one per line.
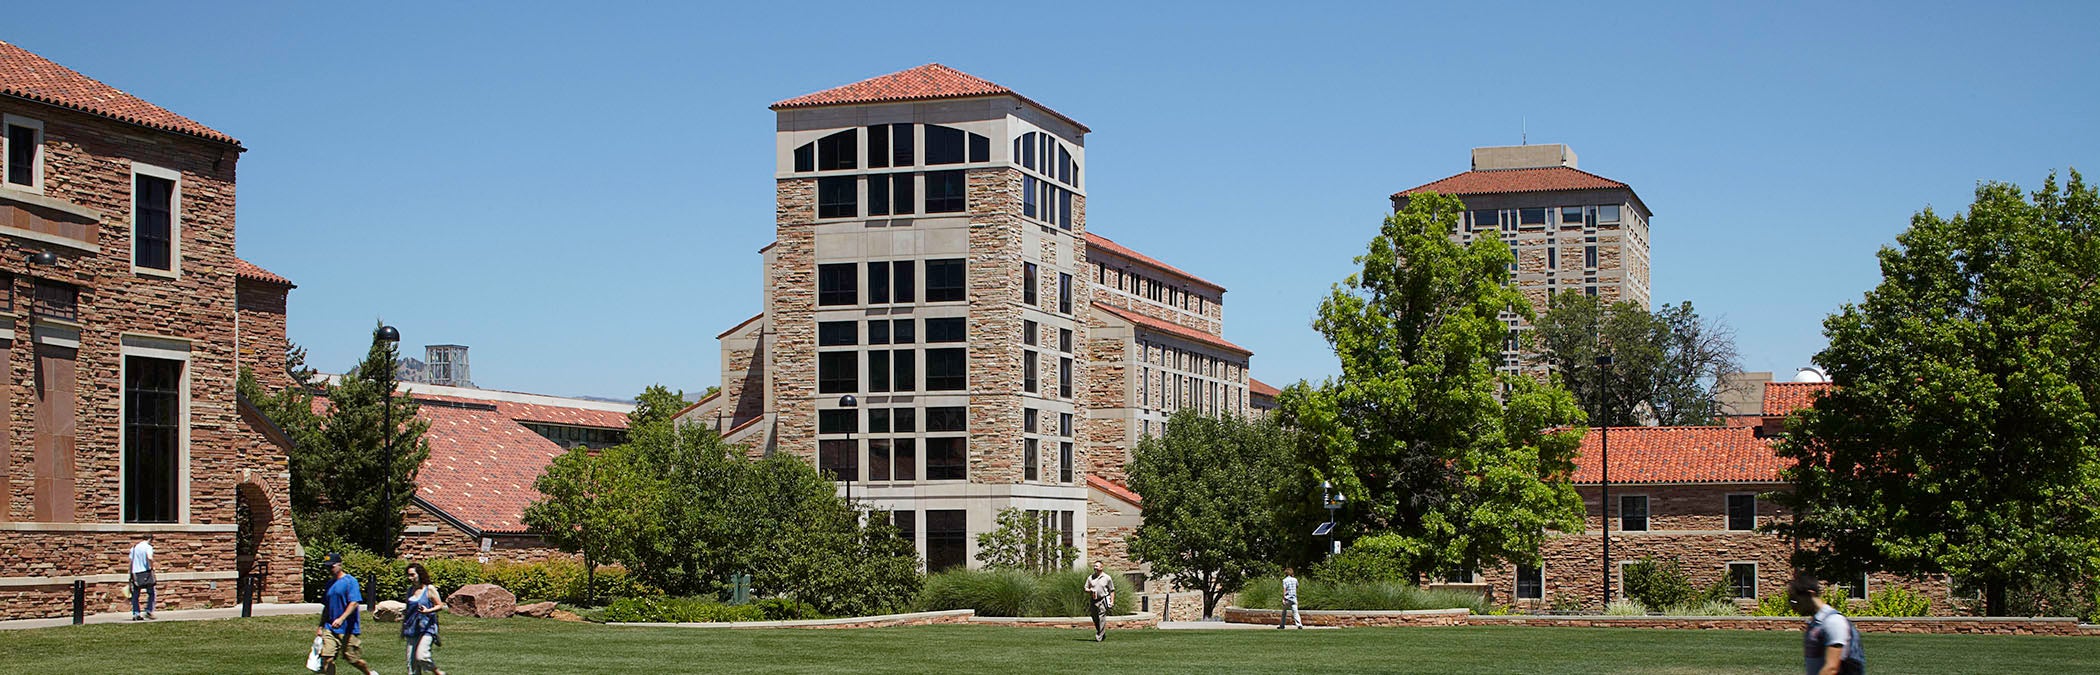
x=1220, y=625
x=169, y=615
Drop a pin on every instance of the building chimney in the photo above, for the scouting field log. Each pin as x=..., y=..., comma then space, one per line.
x=1522, y=157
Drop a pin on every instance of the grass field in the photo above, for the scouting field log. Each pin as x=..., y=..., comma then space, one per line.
x=278, y=645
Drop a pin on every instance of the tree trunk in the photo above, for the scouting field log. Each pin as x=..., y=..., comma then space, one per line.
x=1210, y=601
x=1994, y=598
x=590, y=581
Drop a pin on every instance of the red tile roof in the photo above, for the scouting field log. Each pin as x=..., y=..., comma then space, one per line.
x=1094, y=241
x=28, y=76
x=930, y=82
x=1680, y=455
x=1171, y=328
x=247, y=270
x=1783, y=398
x=1260, y=388
x=1495, y=181
x=1114, y=489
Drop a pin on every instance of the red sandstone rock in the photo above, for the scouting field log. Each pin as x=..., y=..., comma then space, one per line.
x=537, y=610
x=487, y=601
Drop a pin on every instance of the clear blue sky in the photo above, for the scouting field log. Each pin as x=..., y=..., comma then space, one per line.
x=578, y=191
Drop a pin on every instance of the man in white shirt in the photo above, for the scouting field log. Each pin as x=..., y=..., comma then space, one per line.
x=1290, y=601
x=1102, y=591
x=1829, y=643
x=142, y=576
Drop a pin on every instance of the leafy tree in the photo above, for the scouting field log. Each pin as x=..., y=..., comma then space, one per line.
x=577, y=511
x=1961, y=437
x=657, y=404
x=1022, y=542
x=1467, y=468
x=1212, y=487
x=1666, y=365
x=340, y=473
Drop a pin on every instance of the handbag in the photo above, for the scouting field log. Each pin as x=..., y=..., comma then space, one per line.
x=142, y=579
x=313, y=656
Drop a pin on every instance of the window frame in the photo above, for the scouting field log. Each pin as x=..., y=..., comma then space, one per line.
x=37, y=159
x=1728, y=511
x=163, y=348
x=961, y=290
x=1647, y=506
x=1735, y=588
x=834, y=299
x=1539, y=589
x=174, y=269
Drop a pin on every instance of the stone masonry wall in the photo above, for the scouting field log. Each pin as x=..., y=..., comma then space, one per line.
x=262, y=331
x=994, y=283
x=793, y=364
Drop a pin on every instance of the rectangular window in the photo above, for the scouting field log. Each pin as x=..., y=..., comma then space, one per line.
x=878, y=420
x=806, y=158
x=838, y=372
x=878, y=283
x=952, y=329
x=903, y=281
x=944, y=145
x=153, y=225
x=25, y=147
x=1064, y=293
x=1029, y=378
x=947, y=458
x=837, y=284
x=1028, y=331
x=57, y=300
x=1064, y=340
x=838, y=197
x=904, y=458
x=838, y=421
x=878, y=459
x=152, y=439
x=878, y=370
x=878, y=331
x=1064, y=462
x=878, y=195
x=1589, y=256
x=1029, y=283
x=836, y=459
x=837, y=333
x=879, y=146
x=906, y=420
x=902, y=144
x=907, y=526
x=1742, y=578
x=1028, y=191
x=945, y=192
x=947, y=534
x=1856, y=588
x=1029, y=469
x=1633, y=513
x=1531, y=216
x=980, y=148
x=904, y=372
x=1030, y=419
x=1608, y=214
x=1742, y=512
x=945, y=280
x=1570, y=214
x=1552, y=258
x=1064, y=424
x=946, y=369
x=1531, y=583
x=1064, y=377
x=951, y=418
x=1064, y=210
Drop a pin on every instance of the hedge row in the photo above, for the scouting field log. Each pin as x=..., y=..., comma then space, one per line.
x=560, y=580
x=1016, y=593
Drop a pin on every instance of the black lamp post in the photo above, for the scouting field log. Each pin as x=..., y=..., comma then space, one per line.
x=1604, y=463
x=390, y=336
x=852, y=451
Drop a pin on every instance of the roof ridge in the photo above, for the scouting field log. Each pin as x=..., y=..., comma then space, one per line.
x=18, y=62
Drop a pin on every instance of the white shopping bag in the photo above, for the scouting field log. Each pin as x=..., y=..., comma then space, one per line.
x=313, y=657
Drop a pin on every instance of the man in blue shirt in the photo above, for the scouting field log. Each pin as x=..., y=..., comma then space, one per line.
x=339, y=627
x=1829, y=643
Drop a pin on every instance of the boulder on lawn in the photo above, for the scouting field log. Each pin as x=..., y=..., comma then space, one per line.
x=487, y=601
x=389, y=611
x=537, y=610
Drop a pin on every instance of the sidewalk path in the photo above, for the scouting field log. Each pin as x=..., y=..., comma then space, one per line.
x=168, y=615
x=1220, y=625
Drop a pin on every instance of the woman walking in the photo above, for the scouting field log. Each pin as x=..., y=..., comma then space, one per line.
x=419, y=621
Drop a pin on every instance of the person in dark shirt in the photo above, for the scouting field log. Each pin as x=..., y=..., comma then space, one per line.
x=339, y=627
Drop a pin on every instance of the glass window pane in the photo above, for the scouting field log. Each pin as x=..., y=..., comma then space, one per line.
x=944, y=145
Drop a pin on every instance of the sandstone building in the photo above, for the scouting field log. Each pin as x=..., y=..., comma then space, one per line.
x=1571, y=230
x=124, y=316
x=933, y=261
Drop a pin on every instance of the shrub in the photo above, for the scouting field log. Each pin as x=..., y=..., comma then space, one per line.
x=679, y=610
x=1379, y=595
x=1662, y=583
x=1706, y=608
x=1625, y=608
x=786, y=609
x=1015, y=593
x=1773, y=604
x=1371, y=559
x=1897, y=601
x=451, y=574
x=559, y=580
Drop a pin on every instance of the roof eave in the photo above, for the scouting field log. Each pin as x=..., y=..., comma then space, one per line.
x=223, y=138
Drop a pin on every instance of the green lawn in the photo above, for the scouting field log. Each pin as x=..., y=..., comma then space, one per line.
x=278, y=645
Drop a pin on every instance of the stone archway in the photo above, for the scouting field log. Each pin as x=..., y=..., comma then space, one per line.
x=253, y=514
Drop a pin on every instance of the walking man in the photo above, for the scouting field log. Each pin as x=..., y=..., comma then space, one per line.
x=1829, y=643
x=339, y=627
x=1290, y=600
x=1102, y=591
x=142, y=576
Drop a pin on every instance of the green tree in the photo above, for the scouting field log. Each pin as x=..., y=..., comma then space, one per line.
x=1466, y=467
x=340, y=474
x=1025, y=542
x=1667, y=365
x=577, y=511
x=657, y=404
x=1961, y=437
x=1212, y=489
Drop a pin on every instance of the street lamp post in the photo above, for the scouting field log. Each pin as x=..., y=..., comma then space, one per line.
x=1332, y=501
x=388, y=335
x=852, y=451
x=1604, y=464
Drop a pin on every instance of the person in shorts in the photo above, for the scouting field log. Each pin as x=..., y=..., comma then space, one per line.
x=1829, y=643
x=339, y=629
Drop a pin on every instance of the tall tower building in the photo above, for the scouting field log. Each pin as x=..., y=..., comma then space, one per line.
x=1571, y=230
x=941, y=333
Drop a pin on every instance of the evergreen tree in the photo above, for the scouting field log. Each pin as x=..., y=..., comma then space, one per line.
x=340, y=474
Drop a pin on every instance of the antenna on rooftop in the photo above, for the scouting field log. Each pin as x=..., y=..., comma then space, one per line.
x=1523, y=131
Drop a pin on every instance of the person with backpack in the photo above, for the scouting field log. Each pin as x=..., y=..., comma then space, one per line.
x=1829, y=643
x=142, y=582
